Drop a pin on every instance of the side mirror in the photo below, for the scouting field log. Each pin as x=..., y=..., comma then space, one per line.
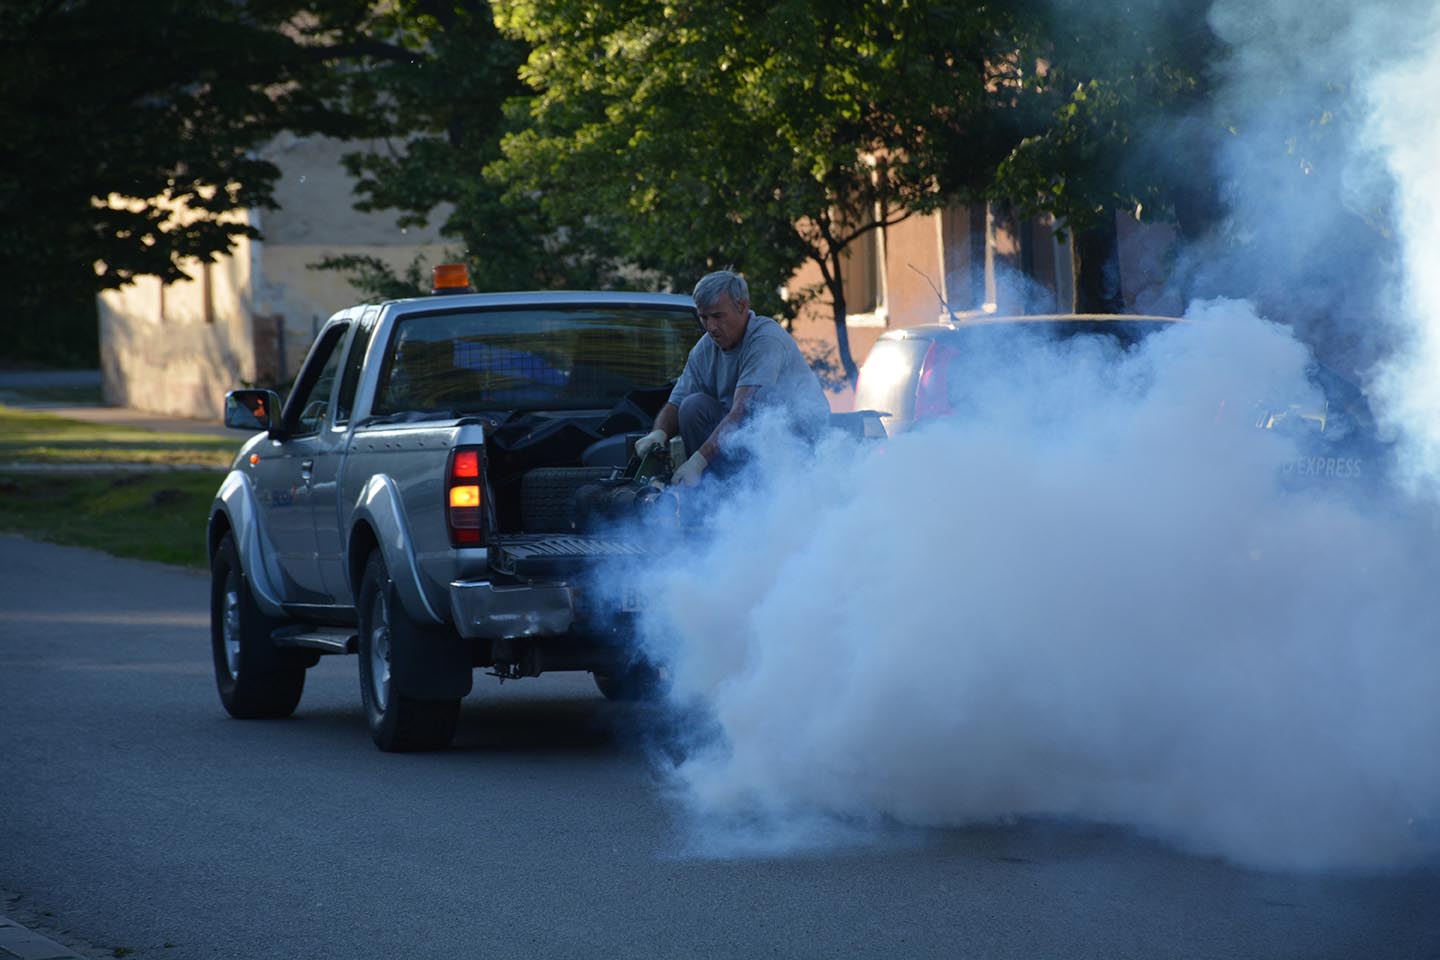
x=252, y=409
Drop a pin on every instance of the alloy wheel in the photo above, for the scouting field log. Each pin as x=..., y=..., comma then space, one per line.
x=380, y=651
x=230, y=625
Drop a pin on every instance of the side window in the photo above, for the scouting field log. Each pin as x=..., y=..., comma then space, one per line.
x=308, y=404
x=354, y=361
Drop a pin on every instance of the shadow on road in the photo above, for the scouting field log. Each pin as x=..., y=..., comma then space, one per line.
x=494, y=723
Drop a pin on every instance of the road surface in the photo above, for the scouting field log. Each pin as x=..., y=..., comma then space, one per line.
x=134, y=814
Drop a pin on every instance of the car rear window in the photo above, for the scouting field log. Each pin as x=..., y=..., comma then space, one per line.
x=551, y=358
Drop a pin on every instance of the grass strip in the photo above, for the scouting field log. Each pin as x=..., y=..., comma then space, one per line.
x=124, y=499
x=33, y=436
x=156, y=516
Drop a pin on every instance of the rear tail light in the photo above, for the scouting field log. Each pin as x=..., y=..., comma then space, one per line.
x=464, y=500
x=932, y=396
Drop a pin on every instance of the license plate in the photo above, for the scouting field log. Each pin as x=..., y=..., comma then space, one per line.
x=628, y=600
x=631, y=600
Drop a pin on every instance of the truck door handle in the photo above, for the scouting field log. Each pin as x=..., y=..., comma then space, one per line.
x=305, y=467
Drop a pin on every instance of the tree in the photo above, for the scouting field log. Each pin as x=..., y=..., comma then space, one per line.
x=434, y=80
x=129, y=128
x=1120, y=123
x=757, y=135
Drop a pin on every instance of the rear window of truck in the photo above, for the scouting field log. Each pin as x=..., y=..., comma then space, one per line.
x=552, y=358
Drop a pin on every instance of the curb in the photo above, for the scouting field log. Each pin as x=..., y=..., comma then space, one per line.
x=143, y=420
x=26, y=944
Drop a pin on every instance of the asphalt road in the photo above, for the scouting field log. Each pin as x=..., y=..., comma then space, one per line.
x=135, y=814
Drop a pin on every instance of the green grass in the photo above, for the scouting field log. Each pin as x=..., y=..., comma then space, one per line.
x=33, y=436
x=127, y=499
x=157, y=515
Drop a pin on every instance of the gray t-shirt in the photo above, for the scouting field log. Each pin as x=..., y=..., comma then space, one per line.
x=766, y=357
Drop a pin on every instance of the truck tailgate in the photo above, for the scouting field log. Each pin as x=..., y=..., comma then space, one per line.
x=550, y=555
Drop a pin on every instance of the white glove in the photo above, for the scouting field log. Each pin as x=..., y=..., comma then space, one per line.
x=688, y=473
x=650, y=441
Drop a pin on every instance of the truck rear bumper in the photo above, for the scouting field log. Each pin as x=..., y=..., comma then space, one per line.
x=485, y=611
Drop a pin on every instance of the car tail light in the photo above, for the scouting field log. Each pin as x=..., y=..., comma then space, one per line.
x=932, y=396
x=464, y=499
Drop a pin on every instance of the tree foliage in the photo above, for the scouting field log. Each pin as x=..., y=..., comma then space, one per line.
x=758, y=135
x=1117, y=121
x=434, y=82
x=576, y=143
x=115, y=114
x=157, y=104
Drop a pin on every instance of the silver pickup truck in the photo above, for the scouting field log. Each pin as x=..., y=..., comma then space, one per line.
x=413, y=501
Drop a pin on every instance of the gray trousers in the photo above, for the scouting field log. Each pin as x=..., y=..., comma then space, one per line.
x=700, y=413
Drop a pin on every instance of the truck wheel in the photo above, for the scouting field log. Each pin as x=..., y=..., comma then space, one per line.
x=397, y=723
x=255, y=678
x=637, y=681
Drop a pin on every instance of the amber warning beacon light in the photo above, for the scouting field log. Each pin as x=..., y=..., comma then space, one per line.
x=450, y=278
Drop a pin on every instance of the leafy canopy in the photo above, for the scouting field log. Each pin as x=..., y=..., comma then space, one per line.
x=760, y=135
x=116, y=113
x=1119, y=117
x=157, y=104
x=434, y=84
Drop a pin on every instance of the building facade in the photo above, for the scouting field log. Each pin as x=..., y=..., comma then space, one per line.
x=964, y=260
x=249, y=317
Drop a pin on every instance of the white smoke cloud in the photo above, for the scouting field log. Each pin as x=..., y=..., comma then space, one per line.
x=1094, y=601
x=1403, y=131
x=1097, y=595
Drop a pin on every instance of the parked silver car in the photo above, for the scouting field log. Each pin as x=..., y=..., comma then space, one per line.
x=914, y=372
x=933, y=370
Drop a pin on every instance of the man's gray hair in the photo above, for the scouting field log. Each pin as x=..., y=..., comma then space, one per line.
x=712, y=285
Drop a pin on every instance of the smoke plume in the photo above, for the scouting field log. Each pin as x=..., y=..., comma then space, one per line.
x=1103, y=593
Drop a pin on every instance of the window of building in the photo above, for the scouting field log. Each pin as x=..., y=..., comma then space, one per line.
x=962, y=245
x=863, y=274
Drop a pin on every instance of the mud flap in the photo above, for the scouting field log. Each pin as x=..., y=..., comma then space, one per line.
x=428, y=663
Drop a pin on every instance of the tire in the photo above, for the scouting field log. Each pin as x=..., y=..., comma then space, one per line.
x=635, y=682
x=255, y=678
x=397, y=723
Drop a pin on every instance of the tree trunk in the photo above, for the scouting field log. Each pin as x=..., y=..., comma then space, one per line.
x=842, y=342
x=1096, y=254
x=842, y=332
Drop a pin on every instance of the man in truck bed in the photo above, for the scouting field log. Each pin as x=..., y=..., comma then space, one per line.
x=744, y=363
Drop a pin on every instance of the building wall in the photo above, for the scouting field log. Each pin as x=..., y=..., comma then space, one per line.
x=978, y=259
x=249, y=318
x=292, y=301
x=176, y=348
x=316, y=218
x=914, y=270
x=1147, y=251
x=814, y=331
